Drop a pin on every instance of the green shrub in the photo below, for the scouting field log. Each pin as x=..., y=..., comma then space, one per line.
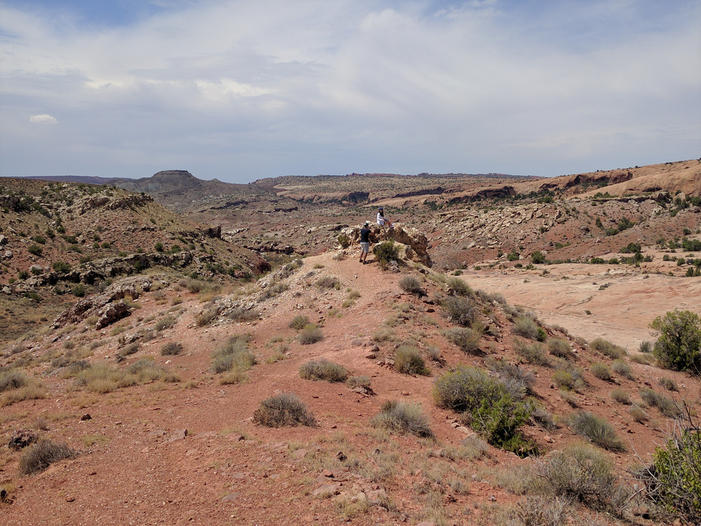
x=310, y=334
x=61, y=267
x=458, y=287
x=402, y=418
x=528, y=328
x=467, y=340
x=673, y=481
x=411, y=285
x=560, y=348
x=35, y=249
x=343, y=240
x=487, y=405
x=538, y=257
x=165, y=323
x=234, y=354
x=666, y=405
x=622, y=368
x=679, y=344
x=518, y=381
x=283, y=409
x=299, y=322
x=583, y=474
x=171, y=349
x=79, y=290
x=531, y=352
x=597, y=430
x=158, y=246
x=621, y=396
x=42, y=454
x=513, y=256
x=408, y=360
x=385, y=252
x=601, y=371
x=607, y=348
x=460, y=309
x=323, y=370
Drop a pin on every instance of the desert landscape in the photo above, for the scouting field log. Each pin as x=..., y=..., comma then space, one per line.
x=517, y=351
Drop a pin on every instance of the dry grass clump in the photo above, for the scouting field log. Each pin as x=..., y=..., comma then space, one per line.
x=601, y=371
x=323, y=370
x=622, y=368
x=560, y=348
x=518, y=381
x=458, y=287
x=528, y=328
x=668, y=384
x=621, y=396
x=645, y=347
x=12, y=379
x=233, y=355
x=360, y=381
x=467, y=340
x=582, y=474
x=42, y=454
x=402, y=418
x=328, y=282
x=597, y=430
x=531, y=352
x=666, y=405
x=638, y=414
x=103, y=378
x=310, y=334
x=207, y=316
x=299, y=322
x=172, y=349
x=273, y=290
x=165, y=323
x=408, y=360
x=569, y=378
x=411, y=285
x=283, y=409
x=537, y=510
x=607, y=348
x=241, y=314
x=128, y=350
x=460, y=309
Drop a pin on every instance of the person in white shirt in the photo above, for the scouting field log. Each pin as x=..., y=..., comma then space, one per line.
x=381, y=219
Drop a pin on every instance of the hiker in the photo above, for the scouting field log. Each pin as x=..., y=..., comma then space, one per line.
x=364, y=242
x=382, y=220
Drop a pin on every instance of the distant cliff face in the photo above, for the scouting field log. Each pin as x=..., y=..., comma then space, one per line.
x=163, y=182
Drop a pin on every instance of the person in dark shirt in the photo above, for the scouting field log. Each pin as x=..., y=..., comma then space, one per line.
x=364, y=242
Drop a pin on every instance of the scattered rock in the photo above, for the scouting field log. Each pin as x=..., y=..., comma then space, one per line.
x=85, y=417
x=179, y=434
x=327, y=490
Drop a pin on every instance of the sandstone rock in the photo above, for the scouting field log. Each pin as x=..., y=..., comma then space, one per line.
x=7, y=254
x=3, y=240
x=112, y=313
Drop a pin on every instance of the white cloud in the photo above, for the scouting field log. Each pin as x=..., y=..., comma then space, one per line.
x=239, y=89
x=42, y=118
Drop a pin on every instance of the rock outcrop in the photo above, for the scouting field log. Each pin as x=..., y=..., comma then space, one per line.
x=403, y=235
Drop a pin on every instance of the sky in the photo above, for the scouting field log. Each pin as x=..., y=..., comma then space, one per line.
x=241, y=90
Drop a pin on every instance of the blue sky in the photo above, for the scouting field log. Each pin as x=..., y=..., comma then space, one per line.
x=240, y=90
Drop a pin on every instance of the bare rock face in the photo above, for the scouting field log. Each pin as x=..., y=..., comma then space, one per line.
x=112, y=313
x=408, y=236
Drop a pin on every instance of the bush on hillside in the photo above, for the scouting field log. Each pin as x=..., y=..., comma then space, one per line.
x=42, y=455
x=283, y=409
x=408, y=360
x=528, y=328
x=461, y=310
x=233, y=355
x=679, y=344
x=458, y=287
x=310, y=334
x=402, y=418
x=468, y=340
x=607, y=348
x=299, y=322
x=560, y=348
x=385, y=252
x=597, y=430
x=323, y=370
x=411, y=285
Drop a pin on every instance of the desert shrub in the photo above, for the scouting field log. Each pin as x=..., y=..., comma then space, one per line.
x=538, y=257
x=607, y=348
x=234, y=354
x=458, y=287
x=61, y=267
x=275, y=289
x=299, y=322
x=408, y=360
x=402, y=418
x=460, y=309
x=359, y=381
x=621, y=396
x=531, y=352
x=130, y=349
x=165, y=323
x=583, y=474
x=343, y=240
x=679, y=344
x=597, y=430
x=638, y=414
x=622, y=368
x=171, y=349
x=283, y=409
x=536, y=510
x=673, y=481
x=310, y=334
x=518, y=381
x=12, y=379
x=411, y=285
x=601, y=371
x=487, y=405
x=239, y=313
x=206, y=316
x=385, y=252
x=42, y=454
x=528, y=328
x=513, y=256
x=668, y=384
x=666, y=405
x=323, y=370
x=467, y=340
x=560, y=348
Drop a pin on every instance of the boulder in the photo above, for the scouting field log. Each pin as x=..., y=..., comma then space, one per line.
x=112, y=313
x=410, y=237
